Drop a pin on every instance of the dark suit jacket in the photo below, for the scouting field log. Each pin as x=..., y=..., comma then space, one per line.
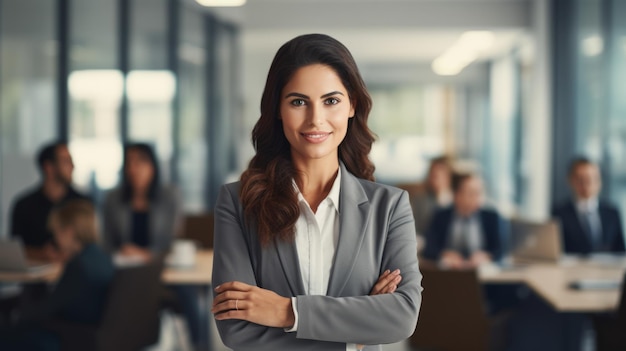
x=576, y=241
x=81, y=293
x=493, y=229
x=377, y=232
x=29, y=216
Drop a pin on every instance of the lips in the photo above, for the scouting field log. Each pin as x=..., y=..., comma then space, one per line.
x=315, y=137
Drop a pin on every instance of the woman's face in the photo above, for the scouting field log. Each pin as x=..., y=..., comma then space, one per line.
x=439, y=177
x=315, y=109
x=139, y=170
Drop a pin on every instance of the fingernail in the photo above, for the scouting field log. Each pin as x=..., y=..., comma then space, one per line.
x=397, y=271
x=386, y=272
x=217, y=287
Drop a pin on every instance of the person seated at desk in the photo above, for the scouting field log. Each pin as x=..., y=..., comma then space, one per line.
x=466, y=234
x=142, y=217
x=436, y=194
x=588, y=223
x=80, y=295
x=30, y=211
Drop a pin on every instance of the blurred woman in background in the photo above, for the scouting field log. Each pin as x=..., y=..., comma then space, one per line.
x=142, y=217
x=435, y=194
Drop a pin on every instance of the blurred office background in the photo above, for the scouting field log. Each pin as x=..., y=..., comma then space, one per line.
x=516, y=86
x=513, y=87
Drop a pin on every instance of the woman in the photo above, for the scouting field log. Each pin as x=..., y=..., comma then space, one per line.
x=437, y=193
x=302, y=239
x=142, y=217
x=81, y=292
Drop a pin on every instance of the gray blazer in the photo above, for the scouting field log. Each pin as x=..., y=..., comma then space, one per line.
x=164, y=221
x=377, y=232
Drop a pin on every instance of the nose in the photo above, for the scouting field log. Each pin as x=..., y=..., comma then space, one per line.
x=315, y=115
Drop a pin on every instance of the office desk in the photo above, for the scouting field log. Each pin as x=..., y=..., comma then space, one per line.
x=551, y=282
x=200, y=274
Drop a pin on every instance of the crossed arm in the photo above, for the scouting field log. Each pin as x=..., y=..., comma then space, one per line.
x=241, y=301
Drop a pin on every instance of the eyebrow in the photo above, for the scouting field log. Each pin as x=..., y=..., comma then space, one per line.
x=307, y=97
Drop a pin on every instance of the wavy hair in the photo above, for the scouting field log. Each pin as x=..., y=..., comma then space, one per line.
x=267, y=194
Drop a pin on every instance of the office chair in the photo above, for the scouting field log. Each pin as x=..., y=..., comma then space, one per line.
x=200, y=229
x=131, y=315
x=452, y=316
x=610, y=335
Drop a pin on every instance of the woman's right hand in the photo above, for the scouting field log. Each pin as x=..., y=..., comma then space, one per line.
x=387, y=282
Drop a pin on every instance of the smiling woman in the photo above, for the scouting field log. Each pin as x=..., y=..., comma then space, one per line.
x=310, y=254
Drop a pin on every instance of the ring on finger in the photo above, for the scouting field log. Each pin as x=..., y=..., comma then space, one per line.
x=237, y=304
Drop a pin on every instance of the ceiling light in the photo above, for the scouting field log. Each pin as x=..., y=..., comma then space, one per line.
x=463, y=52
x=478, y=40
x=221, y=3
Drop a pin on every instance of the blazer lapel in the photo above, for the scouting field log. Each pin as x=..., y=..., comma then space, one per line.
x=288, y=256
x=354, y=211
x=582, y=233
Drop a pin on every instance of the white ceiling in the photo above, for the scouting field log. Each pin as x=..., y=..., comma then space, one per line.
x=383, y=31
x=391, y=45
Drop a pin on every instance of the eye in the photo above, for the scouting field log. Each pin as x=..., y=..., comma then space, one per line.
x=298, y=102
x=331, y=101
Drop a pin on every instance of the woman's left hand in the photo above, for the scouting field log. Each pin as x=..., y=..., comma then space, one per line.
x=236, y=300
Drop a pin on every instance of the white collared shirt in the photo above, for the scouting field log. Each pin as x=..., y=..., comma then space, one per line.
x=317, y=235
x=316, y=239
x=587, y=206
x=466, y=234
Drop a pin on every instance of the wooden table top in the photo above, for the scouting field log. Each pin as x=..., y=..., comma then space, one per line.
x=200, y=274
x=552, y=283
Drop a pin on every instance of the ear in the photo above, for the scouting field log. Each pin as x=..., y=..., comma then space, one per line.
x=352, y=109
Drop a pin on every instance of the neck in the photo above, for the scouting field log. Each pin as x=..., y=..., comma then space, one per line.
x=315, y=179
x=140, y=201
x=464, y=212
x=53, y=190
x=72, y=251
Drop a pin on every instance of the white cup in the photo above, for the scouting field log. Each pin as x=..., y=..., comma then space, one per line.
x=183, y=253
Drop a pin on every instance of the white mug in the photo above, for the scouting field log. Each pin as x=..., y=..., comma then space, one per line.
x=183, y=253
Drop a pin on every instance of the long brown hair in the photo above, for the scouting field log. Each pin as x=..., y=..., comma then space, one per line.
x=267, y=192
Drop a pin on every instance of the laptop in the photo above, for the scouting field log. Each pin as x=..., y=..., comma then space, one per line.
x=13, y=258
x=535, y=241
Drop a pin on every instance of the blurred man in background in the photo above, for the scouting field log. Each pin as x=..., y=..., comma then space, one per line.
x=30, y=212
x=589, y=224
x=466, y=234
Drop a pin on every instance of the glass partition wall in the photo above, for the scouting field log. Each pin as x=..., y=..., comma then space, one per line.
x=103, y=73
x=28, y=54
